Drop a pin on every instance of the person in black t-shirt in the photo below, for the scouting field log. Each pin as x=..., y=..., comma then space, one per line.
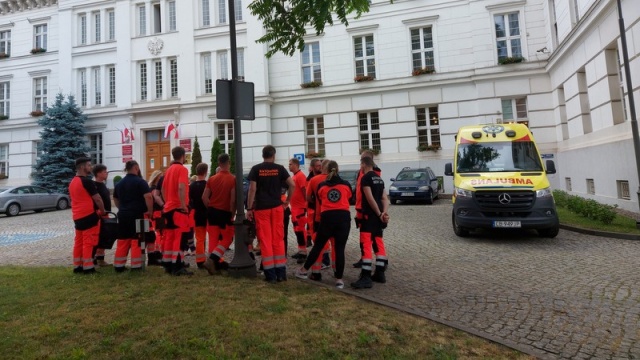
x=100, y=175
x=196, y=189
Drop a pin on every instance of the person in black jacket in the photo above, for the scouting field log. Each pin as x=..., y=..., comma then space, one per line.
x=196, y=189
x=100, y=175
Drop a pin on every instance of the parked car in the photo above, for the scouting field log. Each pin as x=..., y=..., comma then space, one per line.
x=414, y=184
x=15, y=199
x=350, y=176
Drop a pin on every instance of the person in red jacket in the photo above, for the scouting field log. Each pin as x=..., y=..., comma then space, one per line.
x=335, y=221
x=85, y=199
x=299, y=209
x=359, y=198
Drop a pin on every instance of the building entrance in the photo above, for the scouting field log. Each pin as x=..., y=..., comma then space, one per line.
x=158, y=152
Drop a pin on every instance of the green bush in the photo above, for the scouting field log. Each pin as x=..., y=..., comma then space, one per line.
x=588, y=208
x=116, y=180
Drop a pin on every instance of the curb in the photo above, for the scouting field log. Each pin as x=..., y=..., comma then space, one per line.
x=614, y=235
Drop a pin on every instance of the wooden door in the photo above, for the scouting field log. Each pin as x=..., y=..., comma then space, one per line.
x=158, y=152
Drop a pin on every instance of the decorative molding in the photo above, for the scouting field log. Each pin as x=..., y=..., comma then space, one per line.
x=39, y=20
x=6, y=77
x=505, y=5
x=13, y=6
x=37, y=73
x=362, y=28
x=424, y=19
x=155, y=46
x=7, y=25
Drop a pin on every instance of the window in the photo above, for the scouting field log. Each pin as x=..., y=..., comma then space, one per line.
x=94, y=142
x=591, y=187
x=4, y=160
x=40, y=94
x=83, y=88
x=5, y=42
x=364, y=56
x=173, y=74
x=112, y=84
x=508, y=35
x=142, y=20
x=369, y=130
x=311, y=63
x=83, y=29
x=623, y=189
x=237, y=7
x=223, y=70
x=38, y=150
x=97, y=87
x=567, y=183
x=623, y=99
x=225, y=135
x=515, y=109
x=208, y=79
x=4, y=99
x=157, y=19
x=40, y=36
x=98, y=28
x=206, y=15
x=428, y=126
x=143, y=81
x=111, y=19
x=222, y=12
x=315, y=134
x=172, y=16
x=422, y=48
x=158, y=67
x=240, y=60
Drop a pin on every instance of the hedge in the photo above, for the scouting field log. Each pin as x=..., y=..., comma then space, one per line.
x=586, y=207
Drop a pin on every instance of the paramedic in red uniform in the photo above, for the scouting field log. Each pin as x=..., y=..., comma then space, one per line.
x=265, y=182
x=299, y=208
x=175, y=187
x=85, y=199
x=366, y=153
x=315, y=168
x=333, y=195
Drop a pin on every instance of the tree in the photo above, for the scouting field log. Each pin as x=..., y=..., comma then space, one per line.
x=196, y=157
x=216, y=150
x=232, y=158
x=63, y=141
x=284, y=21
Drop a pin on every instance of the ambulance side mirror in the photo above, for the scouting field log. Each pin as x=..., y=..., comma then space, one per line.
x=448, y=169
x=551, y=167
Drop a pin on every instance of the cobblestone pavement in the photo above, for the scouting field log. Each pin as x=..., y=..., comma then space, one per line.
x=575, y=296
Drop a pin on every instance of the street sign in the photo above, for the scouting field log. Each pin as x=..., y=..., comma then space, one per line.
x=300, y=158
x=245, y=103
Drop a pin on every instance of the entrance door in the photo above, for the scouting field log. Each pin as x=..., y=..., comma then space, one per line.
x=158, y=152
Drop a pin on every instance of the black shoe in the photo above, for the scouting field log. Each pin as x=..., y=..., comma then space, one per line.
x=363, y=283
x=181, y=272
x=77, y=270
x=315, y=277
x=90, y=271
x=136, y=269
x=201, y=266
x=119, y=269
x=271, y=281
x=281, y=279
x=358, y=264
x=379, y=277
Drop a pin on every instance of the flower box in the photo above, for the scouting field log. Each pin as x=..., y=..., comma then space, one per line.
x=314, y=155
x=36, y=113
x=3, y=55
x=311, y=84
x=426, y=70
x=433, y=148
x=361, y=78
x=3, y=117
x=38, y=50
x=510, y=60
x=374, y=151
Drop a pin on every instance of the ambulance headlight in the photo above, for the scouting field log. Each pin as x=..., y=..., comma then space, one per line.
x=458, y=192
x=393, y=188
x=544, y=193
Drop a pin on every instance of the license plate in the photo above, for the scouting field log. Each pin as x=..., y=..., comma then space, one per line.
x=406, y=194
x=507, y=224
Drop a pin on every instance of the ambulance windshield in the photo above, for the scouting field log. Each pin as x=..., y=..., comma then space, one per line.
x=498, y=157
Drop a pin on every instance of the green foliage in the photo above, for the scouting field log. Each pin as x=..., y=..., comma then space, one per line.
x=63, y=141
x=216, y=150
x=196, y=156
x=116, y=179
x=588, y=208
x=232, y=158
x=284, y=22
x=510, y=60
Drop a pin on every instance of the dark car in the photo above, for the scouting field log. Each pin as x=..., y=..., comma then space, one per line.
x=350, y=176
x=414, y=184
x=14, y=200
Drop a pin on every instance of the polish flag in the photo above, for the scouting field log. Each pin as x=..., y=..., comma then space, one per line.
x=175, y=134
x=170, y=127
x=121, y=135
x=128, y=133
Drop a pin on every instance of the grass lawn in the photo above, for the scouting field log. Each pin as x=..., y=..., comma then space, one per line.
x=49, y=312
x=621, y=224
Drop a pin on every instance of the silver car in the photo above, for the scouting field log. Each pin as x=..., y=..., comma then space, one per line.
x=15, y=199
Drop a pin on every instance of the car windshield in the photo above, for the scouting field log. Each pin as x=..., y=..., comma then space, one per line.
x=349, y=175
x=412, y=175
x=498, y=157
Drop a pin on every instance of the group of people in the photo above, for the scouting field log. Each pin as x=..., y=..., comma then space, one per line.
x=204, y=209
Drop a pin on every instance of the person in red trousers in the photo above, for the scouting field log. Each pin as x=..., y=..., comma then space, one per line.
x=299, y=209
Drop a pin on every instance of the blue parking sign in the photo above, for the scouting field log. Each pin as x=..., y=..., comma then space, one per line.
x=300, y=158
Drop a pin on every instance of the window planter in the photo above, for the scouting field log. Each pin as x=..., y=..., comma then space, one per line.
x=38, y=50
x=3, y=55
x=36, y=113
x=362, y=78
x=510, y=60
x=374, y=151
x=314, y=154
x=311, y=84
x=434, y=148
x=423, y=71
x=3, y=117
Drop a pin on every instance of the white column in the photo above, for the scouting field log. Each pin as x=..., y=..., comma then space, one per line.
x=149, y=15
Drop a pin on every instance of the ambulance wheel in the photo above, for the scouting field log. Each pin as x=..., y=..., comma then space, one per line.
x=62, y=204
x=549, y=232
x=430, y=198
x=13, y=209
x=458, y=230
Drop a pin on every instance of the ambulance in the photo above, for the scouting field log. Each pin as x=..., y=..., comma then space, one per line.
x=500, y=182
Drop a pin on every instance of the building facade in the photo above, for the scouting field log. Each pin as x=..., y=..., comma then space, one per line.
x=400, y=80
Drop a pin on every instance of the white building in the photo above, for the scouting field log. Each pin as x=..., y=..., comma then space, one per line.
x=140, y=64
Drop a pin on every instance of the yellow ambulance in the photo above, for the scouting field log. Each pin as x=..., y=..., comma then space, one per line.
x=500, y=182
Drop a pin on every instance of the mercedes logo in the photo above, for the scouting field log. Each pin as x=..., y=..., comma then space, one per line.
x=504, y=198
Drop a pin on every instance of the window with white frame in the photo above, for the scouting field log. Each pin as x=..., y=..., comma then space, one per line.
x=143, y=81
x=311, y=70
x=422, y=48
x=40, y=36
x=142, y=20
x=173, y=77
x=364, y=55
x=97, y=27
x=225, y=135
x=369, y=130
x=112, y=84
x=94, y=142
x=222, y=11
x=111, y=25
x=173, y=26
x=223, y=71
x=158, y=73
x=38, y=150
x=97, y=87
x=315, y=134
x=4, y=160
x=156, y=25
x=206, y=13
x=5, y=97
x=206, y=70
x=237, y=7
x=508, y=41
x=623, y=189
x=83, y=87
x=428, y=126
x=40, y=94
x=5, y=42
x=515, y=110
x=82, y=23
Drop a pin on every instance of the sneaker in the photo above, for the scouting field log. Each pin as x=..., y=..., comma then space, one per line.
x=379, y=277
x=358, y=264
x=363, y=283
x=209, y=266
x=315, y=277
x=301, y=274
x=339, y=284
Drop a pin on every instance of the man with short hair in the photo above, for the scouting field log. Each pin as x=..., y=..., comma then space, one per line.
x=100, y=175
x=266, y=207
x=359, y=199
x=299, y=209
x=85, y=199
x=196, y=189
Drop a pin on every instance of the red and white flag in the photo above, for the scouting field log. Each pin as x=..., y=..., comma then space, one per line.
x=169, y=128
x=127, y=133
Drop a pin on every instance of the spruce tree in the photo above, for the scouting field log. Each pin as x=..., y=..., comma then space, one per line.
x=216, y=150
x=196, y=157
x=63, y=141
